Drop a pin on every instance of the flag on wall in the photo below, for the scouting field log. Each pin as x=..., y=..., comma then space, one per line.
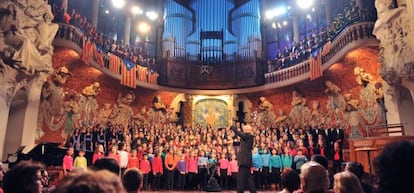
x=114, y=63
x=99, y=56
x=85, y=55
x=129, y=74
x=326, y=48
x=142, y=73
x=315, y=63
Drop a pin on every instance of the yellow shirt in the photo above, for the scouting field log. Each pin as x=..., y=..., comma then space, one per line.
x=80, y=162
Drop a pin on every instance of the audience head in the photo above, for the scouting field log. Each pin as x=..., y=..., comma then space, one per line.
x=107, y=164
x=320, y=159
x=290, y=180
x=347, y=182
x=394, y=167
x=356, y=168
x=313, y=177
x=132, y=180
x=90, y=182
x=25, y=177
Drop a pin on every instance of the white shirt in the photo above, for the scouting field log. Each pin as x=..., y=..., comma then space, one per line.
x=123, y=158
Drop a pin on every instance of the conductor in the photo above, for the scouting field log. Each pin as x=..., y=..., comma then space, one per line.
x=244, y=157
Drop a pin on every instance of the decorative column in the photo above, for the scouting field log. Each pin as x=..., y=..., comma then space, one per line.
x=295, y=24
x=328, y=12
x=95, y=13
x=65, y=4
x=127, y=29
x=32, y=111
x=4, y=111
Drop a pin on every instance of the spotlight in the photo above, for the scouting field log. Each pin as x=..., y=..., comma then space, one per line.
x=136, y=10
x=285, y=23
x=118, y=3
x=106, y=11
x=275, y=12
x=304, y=4
x=144, y=27
x=152, y=15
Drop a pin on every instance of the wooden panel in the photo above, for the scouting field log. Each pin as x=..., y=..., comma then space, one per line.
x=359, y=149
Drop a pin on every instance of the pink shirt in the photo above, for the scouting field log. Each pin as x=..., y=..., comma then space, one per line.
x=223, y=165
x=233, y=166
x=192, y=165
x=68, y=162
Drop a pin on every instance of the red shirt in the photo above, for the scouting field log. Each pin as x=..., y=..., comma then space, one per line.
x=133, y=162
x=157, y=165
x=192, y=165
x=145, y=166
x=114, y=156
x=96, y=157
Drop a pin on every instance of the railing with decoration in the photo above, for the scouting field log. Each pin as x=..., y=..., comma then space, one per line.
x=353, y=36
x=71, y=37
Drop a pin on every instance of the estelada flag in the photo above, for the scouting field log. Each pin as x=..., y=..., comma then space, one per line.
x=128, y=74
x=114, y=63
x=315, y=64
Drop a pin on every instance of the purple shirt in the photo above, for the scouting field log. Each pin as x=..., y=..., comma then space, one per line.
x=182, y=166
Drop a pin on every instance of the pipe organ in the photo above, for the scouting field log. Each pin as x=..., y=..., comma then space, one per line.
x=212, y=31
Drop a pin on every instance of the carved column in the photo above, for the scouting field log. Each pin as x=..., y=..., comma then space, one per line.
x=328, y=12
x=391, y=102
x=295, y=24
x=95, y=13
x=127, y=29
x=65, y=4
x=4, y=111
x=32, y=111
x=410, y=8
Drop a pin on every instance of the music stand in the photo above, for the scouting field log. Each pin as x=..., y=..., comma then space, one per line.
x=368, y=150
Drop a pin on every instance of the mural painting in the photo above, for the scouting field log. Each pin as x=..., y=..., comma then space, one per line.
x=211, y=112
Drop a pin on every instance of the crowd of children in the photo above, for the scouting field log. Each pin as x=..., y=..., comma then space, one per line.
x=175, y=157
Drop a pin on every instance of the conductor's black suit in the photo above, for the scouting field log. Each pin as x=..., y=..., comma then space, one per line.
x=244, y=159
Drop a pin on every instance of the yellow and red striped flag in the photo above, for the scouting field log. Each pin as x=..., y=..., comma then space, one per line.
x=315, y=65
x=114, y=63
x=129, y=75
x=326, y=48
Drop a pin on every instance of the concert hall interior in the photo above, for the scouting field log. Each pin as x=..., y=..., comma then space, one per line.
x=330, y=77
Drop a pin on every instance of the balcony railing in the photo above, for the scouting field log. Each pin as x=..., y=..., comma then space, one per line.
x=352, y=37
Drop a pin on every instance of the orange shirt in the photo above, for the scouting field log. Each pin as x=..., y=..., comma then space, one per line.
x=170, y=161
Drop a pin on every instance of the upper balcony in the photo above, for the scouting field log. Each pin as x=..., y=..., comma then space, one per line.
x=243, y=76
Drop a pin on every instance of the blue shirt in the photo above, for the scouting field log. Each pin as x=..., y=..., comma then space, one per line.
x=257, y=161
x=275, y=162
x=287, y=161
x=202, y=161
x=265, y=160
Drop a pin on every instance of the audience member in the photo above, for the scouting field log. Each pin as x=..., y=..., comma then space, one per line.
x=25, y=177
x=314, y=178
x=394, y=168
x=1, y=177
x=90, y=182
x=346, y=182
x=107, y=164
x=290, y=181
x=358, y=170
x=132, y=180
